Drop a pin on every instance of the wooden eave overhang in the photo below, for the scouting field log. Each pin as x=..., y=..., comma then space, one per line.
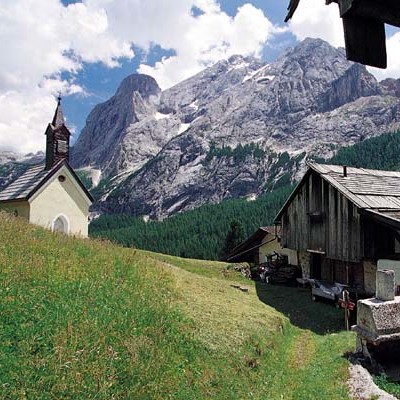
x=251, y=243
x=382, y=217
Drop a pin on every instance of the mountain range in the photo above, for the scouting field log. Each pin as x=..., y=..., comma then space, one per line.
x=237, y=129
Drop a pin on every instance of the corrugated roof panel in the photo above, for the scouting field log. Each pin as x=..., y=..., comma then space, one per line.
x=25, y=184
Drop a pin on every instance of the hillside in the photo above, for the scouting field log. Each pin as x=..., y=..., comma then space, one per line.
x=83, y=319
x=183, y=234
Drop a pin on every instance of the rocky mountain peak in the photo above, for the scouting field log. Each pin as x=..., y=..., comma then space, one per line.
x=106, y=126
x=143, y=84
x=391, y=87
x=237, y=128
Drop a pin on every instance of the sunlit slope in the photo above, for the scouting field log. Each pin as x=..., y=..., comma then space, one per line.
x=82, y=319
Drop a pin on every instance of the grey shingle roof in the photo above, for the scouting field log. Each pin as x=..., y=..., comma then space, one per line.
x=373, y=191
x=366, y=188
x=25, y=184
x=28, y=183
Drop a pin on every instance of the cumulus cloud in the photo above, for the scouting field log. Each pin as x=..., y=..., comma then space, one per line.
x=210, y=37
x=314, y=19
x=393, y=51
x=42, y=39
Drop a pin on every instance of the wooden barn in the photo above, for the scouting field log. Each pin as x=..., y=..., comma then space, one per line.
x=261, y=244
x=341, y=221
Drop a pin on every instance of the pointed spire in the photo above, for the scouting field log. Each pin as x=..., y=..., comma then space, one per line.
x=58, y=119
x=58, y=138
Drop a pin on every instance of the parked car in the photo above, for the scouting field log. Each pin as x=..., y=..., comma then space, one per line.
x=328, y=290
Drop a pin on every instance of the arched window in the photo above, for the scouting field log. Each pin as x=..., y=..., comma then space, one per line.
x=61, y=224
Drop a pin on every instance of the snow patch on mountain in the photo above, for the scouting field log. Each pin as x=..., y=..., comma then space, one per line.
x=159, y=116
x=183, y=128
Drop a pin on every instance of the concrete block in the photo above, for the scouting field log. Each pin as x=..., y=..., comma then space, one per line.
x=385, y=285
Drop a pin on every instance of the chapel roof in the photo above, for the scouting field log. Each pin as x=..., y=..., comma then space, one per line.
x=33, y=179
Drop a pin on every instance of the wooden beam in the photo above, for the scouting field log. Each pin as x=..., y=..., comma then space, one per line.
x=385, y=11
x=365, y=41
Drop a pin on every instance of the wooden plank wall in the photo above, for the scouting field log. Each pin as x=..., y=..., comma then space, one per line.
x=338, y=233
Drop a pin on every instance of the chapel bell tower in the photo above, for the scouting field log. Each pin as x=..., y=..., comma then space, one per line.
x=57, y=142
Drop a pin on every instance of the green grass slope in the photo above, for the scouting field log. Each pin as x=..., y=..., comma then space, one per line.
x=83, y=319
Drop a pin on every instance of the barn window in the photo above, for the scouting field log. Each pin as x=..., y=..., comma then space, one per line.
x=61, y=178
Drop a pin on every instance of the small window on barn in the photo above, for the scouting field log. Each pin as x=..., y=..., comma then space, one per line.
x=317, y=216
x=61, y=178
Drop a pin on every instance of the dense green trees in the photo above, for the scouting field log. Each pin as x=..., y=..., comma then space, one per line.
x=235, y=236
x=200, y=233
x=204, y=232
x=238, y=154
x=381, y=152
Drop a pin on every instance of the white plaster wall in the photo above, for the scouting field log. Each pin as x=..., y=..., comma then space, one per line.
x=61, y=198
x=274, y=245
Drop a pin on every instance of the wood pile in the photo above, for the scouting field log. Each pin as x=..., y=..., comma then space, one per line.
x=278, y=270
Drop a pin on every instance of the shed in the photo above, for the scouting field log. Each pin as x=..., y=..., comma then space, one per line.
x=263, y=242
x=342, y=220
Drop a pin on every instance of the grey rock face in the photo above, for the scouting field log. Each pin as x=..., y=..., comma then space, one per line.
x=111, y=125
x=391, y=87
x=173, y=151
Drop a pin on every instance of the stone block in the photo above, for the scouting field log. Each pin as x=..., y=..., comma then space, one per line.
x=385, y=285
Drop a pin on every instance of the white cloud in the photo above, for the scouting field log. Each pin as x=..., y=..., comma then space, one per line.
x=393, y=51
x=210, y=37
x=41, y=39
x=314, y=19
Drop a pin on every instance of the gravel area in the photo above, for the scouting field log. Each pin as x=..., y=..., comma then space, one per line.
x=362, y=386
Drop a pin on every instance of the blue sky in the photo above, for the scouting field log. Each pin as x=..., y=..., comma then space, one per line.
x=101, y=82
x=85, y=48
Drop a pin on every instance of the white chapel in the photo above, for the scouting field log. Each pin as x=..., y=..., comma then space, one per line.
x=51, y=194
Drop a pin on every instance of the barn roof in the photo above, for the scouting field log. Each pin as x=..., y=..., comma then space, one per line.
x=241, y=252
x=32, y=180
x=374, y=191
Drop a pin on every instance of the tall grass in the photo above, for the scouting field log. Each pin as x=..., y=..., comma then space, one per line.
x=82, y=319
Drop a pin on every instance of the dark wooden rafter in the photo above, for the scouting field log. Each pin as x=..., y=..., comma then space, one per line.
x=364, y=27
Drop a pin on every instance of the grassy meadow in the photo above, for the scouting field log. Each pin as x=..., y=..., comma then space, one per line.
x=85, y=319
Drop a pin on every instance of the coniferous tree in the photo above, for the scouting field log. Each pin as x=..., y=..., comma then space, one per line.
x=234, y=237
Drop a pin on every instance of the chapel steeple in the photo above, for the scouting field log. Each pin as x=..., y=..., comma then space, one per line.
x=58, y=135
